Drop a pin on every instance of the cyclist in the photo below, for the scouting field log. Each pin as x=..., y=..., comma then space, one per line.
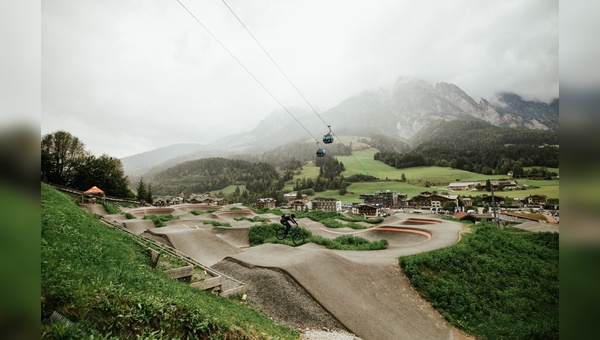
x=285, y=220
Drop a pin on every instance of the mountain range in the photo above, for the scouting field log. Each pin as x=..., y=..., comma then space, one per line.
x=401, y=114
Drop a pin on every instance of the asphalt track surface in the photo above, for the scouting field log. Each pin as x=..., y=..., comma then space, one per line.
x=365, y=290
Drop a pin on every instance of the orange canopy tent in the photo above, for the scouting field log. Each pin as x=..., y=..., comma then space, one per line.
x=93, y=191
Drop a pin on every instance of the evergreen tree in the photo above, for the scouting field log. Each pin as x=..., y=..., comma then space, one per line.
x=488, y=185
x=142, y=191
x=149, y=197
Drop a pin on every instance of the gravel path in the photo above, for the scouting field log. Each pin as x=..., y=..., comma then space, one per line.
x=280, y=298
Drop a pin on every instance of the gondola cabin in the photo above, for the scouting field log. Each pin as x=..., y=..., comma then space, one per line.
x=328, y=139
x=320, y=152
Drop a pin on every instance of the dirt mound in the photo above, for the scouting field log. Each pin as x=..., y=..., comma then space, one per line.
x=232, y=214
x=397, y=236
x=237, y=237
x=201, y=245
x=138, y=226
x=278, y=296
x=373, y=301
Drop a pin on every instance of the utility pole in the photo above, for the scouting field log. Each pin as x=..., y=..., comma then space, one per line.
x=494, y=204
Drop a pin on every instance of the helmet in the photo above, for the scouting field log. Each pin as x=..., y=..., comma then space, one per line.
x=293, y=215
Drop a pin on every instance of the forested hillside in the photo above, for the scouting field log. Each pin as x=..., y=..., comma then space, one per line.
x=479, y=147
x=259, y=179
x=208, y=174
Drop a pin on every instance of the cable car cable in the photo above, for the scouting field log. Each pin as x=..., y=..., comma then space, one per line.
x=273, y=61
x=246, y=69
x=292, y=83
x=320, y=152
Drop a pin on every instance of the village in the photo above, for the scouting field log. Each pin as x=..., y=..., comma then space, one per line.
x=534, y=207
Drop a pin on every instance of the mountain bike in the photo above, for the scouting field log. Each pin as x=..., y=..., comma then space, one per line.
x=295, y=234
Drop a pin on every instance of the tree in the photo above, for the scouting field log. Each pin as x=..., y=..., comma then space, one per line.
x=142, y=191
x=403, y=177
x=488, y=185
x=61, y=154
x=149, y=197
x=104, y=172
x=449, y=205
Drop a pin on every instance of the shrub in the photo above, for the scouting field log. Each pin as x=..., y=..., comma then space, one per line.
x=276, y=211
x=253, y=219
x=349, y=242
x=159, y=220
x=325, y=216
x=217, y=223
x=495, y=283
x=263, y=233
x=200, y=212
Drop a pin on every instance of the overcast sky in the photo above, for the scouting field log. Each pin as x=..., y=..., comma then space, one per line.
x=129, y=76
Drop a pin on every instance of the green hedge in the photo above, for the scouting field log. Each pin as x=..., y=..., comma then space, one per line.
x=495, y=283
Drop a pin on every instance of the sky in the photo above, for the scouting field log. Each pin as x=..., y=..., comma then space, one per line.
x=129, y=76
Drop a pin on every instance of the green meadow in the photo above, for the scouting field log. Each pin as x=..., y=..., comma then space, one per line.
x=418, y=179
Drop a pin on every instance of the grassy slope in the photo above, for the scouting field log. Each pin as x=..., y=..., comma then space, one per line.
x=362, y=162
x=100, y=278
x=495, y=283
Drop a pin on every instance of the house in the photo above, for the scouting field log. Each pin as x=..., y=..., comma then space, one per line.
x=520, y=217
x=463, y=216
x=301, y=205
x=422, y=200
x=462, y=186
x=438, y=200
x=388, y=199
x=427, y=200
x=266, y=203
x=508, y=185
x=499, y=200
x=221, y=201
x=366, y=210
x=327, y=204
x=201, y=198
x=292, y=196
x=537, y=199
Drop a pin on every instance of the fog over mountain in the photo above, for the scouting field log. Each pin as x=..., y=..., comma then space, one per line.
x=411, y=106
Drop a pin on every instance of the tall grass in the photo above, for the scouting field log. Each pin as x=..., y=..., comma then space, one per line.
x=100, y=279
x=495, y=283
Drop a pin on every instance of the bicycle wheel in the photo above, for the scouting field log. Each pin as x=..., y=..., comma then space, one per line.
x=280, y=233
x=298, y=238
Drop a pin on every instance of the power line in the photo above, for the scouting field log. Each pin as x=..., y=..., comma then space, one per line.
x=246, y=69
x=290, y=81
x=262, y=85
x=273, y=61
